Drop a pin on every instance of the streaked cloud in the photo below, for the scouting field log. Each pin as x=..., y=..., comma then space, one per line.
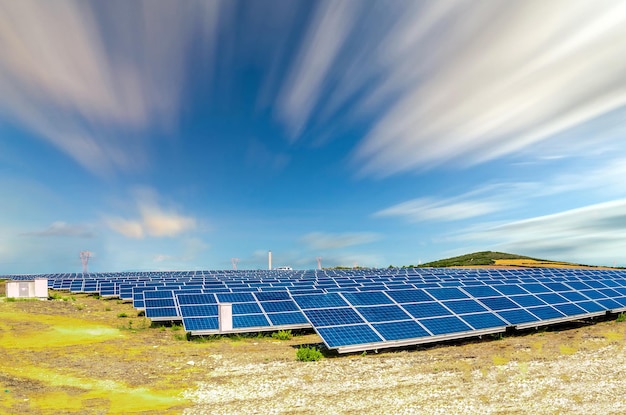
x=320, y=50
x=498, y=82
x=457, y=81
x=60, y=228
x=595, y=233
x=430, y=209
x=89, y=77
x=322, y=241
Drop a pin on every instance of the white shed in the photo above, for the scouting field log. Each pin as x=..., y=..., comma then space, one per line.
x=37, y=288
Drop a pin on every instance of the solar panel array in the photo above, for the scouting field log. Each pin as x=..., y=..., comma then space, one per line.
x=354, y=310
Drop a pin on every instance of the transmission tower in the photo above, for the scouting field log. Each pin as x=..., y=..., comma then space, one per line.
x=234, y=261
x=84, y=258
x=319, y=262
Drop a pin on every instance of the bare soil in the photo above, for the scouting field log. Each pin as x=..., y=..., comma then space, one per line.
x=82, y=355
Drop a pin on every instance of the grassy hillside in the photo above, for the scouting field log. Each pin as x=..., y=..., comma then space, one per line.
x=476, y=258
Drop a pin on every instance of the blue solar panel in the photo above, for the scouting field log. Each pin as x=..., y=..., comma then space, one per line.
x=609, y=292
x=552, y=298
x=319, y=301
x=510, y=289
x=198, y=310
x=272, y=295
x=400, y=330
x=573, y=296
x=279, y=306
x=188, y=299
x=445, y=325
x=246, y=308
x=426, y=310
x=409, y=296
x=590, y=306
x=371, y=295
x=535, y=288
x=161, y=312
x=367, y=298
x=570, y=309
x=446, y=293
x=481, y=291
x=333, y=317
x=200, y=323
x=285, y=319
x=250, y=320
x=464, y=306
x=595, y=284
x=621, y=300
x=158, y=302
x=609, y=303
x=235, y=297
x=578, y=285
x=484, y=321
x=376, y=314
x=528, y=300
x=518, y=316
x=348, y=335
x=498, y=303
x=592, y=294
x=545, y=312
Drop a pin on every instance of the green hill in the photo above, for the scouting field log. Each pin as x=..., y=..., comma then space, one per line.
x=476, y=258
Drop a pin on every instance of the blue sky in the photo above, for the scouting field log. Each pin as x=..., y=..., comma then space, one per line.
x=177, y=135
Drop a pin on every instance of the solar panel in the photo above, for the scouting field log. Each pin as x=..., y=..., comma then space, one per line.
x=377, y=314
x=382, y=308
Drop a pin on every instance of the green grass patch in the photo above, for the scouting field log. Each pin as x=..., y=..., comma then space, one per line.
x=282, y=335
x=308, y=354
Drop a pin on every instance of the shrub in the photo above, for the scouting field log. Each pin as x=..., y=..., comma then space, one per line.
x=308, y=354
x=282, y=335
x=621, y=318
x=122, y=315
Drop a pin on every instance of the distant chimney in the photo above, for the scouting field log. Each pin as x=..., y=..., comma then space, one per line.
x=269, y=260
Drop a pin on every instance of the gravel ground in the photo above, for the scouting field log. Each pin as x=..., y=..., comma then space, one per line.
x=586, y=382
x=49, y=350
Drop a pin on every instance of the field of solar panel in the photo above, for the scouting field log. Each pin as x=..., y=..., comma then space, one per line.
x=350, y=311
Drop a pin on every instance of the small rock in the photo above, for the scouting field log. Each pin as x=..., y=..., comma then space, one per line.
x=191, y=363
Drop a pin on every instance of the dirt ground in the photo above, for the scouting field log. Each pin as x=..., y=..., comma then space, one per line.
x=80, y=355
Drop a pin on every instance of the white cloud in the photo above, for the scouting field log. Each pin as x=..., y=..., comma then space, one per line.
x=153, y=220
x=88, y=81
x=505, y=78
x=594, y=234
x=326, y=35
x=430, y=209
x=457, y=80
x=323, y=241
x=159, y=223
x=128, y=228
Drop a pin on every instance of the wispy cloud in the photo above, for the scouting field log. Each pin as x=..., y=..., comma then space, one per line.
x=595, y=233
x=499, y=82
x=60, y=228
x=457, y=81
x=430, y=209
x=322, y=241
x=321, y=48
x=153, y=220
x=89, y=89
